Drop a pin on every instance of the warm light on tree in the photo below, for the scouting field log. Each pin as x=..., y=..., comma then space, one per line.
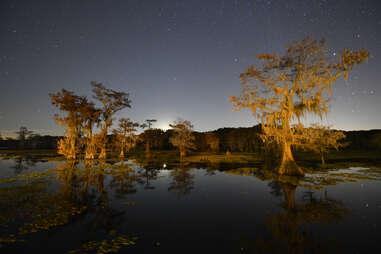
x=147, y=135
x=90, y=116
x=288, y=88
x=183, y=138
x=320, y=139
x=112, y=102
x=72, y=105
x=125, y=135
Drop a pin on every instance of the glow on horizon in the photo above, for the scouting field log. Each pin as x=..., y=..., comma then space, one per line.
x=163, y=126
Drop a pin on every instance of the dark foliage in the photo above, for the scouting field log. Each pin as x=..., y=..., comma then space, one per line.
x=230, y=139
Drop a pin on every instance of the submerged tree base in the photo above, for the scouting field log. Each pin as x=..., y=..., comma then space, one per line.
x=290, y=168
x=288, y=165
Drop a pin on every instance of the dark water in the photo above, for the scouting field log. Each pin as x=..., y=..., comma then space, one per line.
x=97, y=208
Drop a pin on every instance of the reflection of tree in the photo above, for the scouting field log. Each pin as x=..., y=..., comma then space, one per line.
x=123, y=181
x=276, y=188
x=290, y=231
x=182, y=181
x=22, y=163
x=211, y=170
x=87, y=185
x=148, y=174
x=31, y=205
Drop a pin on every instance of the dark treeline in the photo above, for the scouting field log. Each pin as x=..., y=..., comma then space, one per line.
x=247, y=140
x=363, y=140
x=27, y=139
x=33, y=142
x=221, y=140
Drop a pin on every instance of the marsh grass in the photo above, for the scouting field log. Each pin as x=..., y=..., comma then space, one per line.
x=307, y=160
x=37, y=155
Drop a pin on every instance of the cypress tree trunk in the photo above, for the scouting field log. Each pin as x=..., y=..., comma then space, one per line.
x=72, y=154
x=103, y=154
x=182, y=153
x=90, y=146
x=322, y=159
x=288, y=165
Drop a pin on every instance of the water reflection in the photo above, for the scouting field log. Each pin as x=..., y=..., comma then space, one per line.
x=22, y=163
x=93, y=196
x=292, y=230
x=88, y=185
x=182, y=181
x=124, y=181
x=148, y=174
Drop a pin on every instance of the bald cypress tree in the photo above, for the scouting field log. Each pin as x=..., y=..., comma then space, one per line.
x=320, y=139
x=71, y=106
x=183, y=137
x=125, y=135
x=290, y=87
x=112, y=102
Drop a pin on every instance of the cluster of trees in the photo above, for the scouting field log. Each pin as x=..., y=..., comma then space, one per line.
x=79, y=116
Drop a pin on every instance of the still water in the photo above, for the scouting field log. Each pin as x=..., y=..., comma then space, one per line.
x=67, y=207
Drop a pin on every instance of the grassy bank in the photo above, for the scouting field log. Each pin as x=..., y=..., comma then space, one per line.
x=35, y=154
x=335, y=159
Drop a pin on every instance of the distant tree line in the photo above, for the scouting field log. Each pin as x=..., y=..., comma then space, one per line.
x=247, y=140
x=242, y=139
x=27, y=139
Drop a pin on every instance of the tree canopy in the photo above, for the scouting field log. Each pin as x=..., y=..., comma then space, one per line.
x=125, y=135
x=183, y=138
x=287, y=88
x=112, y=102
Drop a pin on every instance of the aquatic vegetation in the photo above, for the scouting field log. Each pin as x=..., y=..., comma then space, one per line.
x=8, y=240
x=132, y=203
x=313, y=179
x=105, y=246
x=28, y=177
x=223, y=158
x=35, y=206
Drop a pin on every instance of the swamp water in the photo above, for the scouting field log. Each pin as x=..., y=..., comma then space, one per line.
x=63, y=207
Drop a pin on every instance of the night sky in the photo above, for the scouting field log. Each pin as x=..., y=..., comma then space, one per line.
x=175, y=58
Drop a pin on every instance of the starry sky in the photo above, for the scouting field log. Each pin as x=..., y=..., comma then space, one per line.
x=176, y=58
